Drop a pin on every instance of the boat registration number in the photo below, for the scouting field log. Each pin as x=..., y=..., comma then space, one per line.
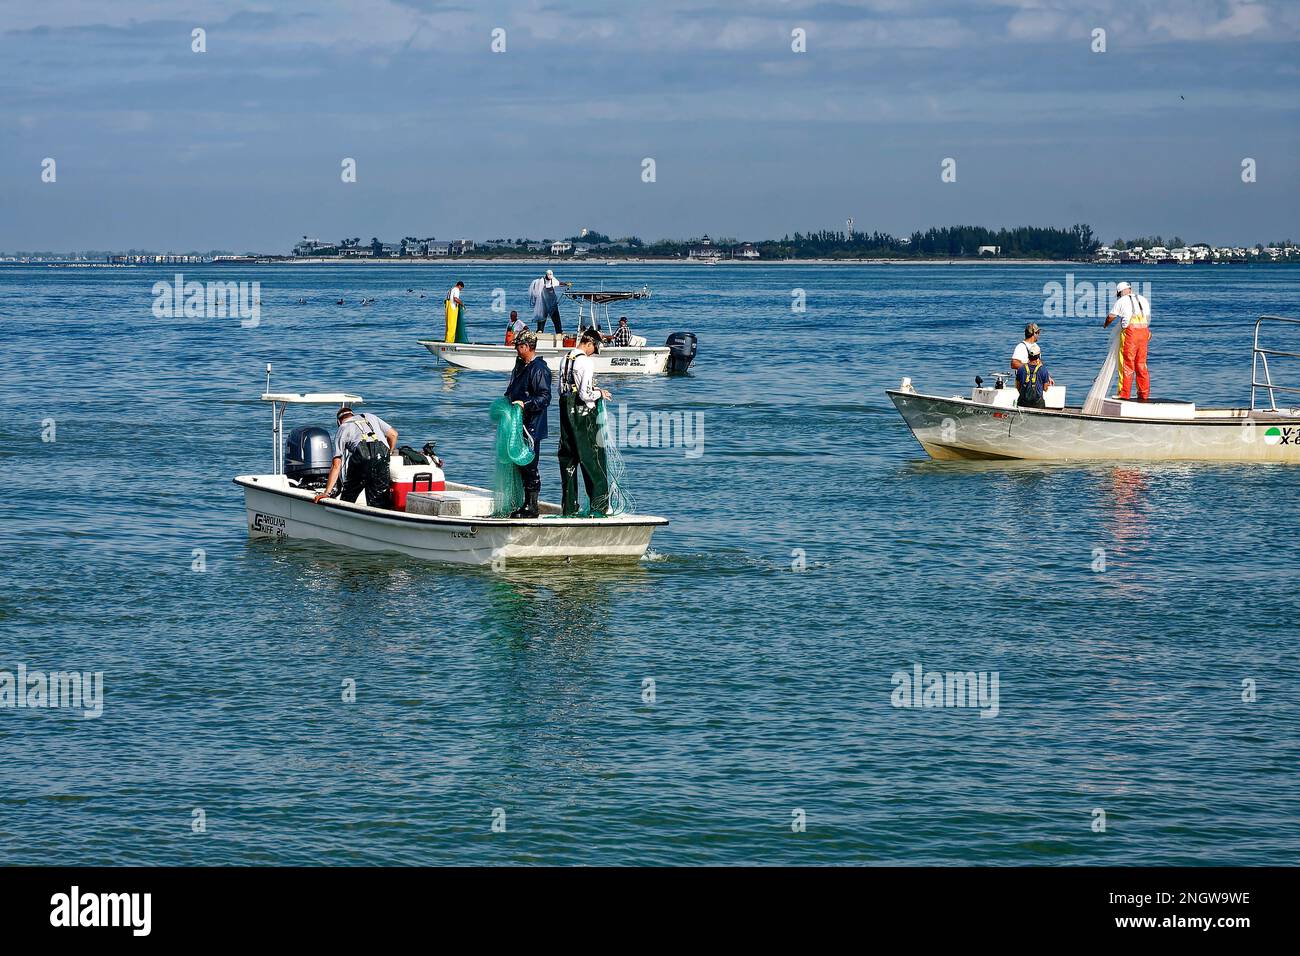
x=268, y=524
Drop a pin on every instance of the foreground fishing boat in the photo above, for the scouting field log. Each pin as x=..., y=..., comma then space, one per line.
x=439, y=521
x=991, y=425
x=638, y=358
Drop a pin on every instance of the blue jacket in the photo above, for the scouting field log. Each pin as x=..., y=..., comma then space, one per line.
x=531, y=384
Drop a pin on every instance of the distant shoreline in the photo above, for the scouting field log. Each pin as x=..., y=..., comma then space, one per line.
x=599, y=261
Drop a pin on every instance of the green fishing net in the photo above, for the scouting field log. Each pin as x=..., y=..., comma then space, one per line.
x=620, y=502
x=512, y=449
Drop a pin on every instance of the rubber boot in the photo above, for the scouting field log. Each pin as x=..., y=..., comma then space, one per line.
x=529, y=509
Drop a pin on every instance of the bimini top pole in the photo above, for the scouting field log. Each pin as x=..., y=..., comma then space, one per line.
x=275, y=427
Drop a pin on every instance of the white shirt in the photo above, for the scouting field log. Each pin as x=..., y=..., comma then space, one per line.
x=584, y=377
x=454, y=294
x=551, y=282
x=1021, y=354
x=1128, y=305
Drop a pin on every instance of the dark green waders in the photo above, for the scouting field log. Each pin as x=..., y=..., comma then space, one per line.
x=580, y=444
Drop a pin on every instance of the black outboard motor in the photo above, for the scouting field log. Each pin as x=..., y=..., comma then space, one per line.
x=308, y=453
x=681, y=352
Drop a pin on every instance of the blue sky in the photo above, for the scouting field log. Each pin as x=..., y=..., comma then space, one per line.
x=240, y=147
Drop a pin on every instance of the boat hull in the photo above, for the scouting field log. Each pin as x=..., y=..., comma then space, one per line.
x=274, y=509
x=610, y=360
x=957, y=429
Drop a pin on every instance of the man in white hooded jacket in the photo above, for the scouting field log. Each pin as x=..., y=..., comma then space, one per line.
x=544, y=297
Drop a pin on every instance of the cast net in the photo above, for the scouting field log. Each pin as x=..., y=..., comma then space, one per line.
x=620, y=502
x=512, y=449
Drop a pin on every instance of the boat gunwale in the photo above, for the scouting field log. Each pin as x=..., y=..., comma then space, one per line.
x=430, y=343
x=366, y=511
x=1249, y=415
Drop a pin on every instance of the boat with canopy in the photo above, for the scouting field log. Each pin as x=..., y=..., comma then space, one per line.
x=636, y=358
x=438, y=520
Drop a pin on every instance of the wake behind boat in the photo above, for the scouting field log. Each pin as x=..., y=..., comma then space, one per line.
x=635, y=358
x=992, y=425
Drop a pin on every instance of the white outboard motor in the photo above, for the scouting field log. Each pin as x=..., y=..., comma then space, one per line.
x=308, y=453
x=681, y=352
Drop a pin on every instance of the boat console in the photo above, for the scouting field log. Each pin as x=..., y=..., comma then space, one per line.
x=1003, y=395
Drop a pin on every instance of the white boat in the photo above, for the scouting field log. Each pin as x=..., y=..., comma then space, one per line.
x=278, y=505
x=639, y=358
x=991, y=425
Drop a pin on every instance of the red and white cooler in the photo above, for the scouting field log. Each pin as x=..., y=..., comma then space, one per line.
x=408, y=478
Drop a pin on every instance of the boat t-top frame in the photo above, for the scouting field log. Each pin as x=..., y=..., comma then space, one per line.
x=1259, y=361
x=593, y=302
x=280, y=401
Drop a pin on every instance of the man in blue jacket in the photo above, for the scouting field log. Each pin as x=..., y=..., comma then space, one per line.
x=530, y=389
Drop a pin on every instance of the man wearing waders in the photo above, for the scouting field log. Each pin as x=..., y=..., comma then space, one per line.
x=580, y=438
x=530, y=389
x=361, y=454
x=544, y=297
x=1134, y=314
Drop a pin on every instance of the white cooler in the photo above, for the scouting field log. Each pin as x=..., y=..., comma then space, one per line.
x=449, y=504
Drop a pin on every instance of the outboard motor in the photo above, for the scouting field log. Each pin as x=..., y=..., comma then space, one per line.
x=681, y=352
x=308, y=453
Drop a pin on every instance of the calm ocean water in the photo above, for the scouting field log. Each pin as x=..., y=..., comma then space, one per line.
x=1118, y=690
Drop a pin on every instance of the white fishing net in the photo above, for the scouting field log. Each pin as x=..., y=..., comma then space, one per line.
x=1101, y=384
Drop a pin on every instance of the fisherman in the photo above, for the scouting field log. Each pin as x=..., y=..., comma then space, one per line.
x=1134, y=314
x=530, y=389
x=1020, y=356
x=622, y=335
x=1032, y=378
x=361, y=454
x=580, y=439
x=543, y=295
x=515, y=326
x=455, y=309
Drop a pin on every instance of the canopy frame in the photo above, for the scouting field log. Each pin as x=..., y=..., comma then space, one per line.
x=597, y=305
x=280, y=402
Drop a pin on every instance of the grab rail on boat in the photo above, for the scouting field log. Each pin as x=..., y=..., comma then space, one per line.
x=1259, y=359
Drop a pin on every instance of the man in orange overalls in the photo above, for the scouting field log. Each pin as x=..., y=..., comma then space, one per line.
x=1134, y=314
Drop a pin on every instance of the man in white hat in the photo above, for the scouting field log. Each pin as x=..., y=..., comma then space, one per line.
x=544, y=297
x=1134, y=313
